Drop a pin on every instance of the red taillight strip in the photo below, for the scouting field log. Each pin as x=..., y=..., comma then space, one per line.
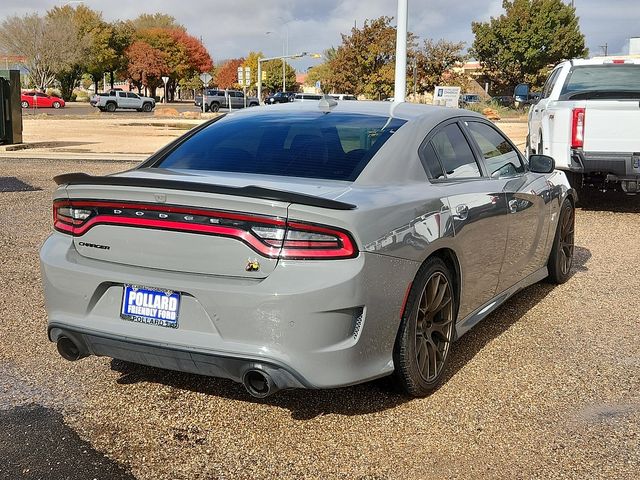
x=342, y=247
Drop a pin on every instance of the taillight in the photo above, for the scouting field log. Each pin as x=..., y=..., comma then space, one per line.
x=577, y=128
x=269, y=236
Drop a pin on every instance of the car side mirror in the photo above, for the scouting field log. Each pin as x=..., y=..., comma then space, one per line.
x=541, y=164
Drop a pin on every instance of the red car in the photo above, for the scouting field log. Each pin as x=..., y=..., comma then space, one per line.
x=40, y=100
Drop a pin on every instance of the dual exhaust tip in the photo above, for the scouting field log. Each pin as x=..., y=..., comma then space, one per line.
x=258, y=383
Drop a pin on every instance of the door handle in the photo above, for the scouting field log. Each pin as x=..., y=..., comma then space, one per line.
x=462, y=212
x=513, y=206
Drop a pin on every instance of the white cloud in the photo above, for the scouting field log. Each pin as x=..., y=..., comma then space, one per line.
x=232, y=29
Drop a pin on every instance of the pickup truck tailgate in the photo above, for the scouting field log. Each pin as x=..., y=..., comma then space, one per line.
x=612, y=126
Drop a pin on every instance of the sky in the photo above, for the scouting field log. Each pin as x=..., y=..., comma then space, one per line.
x=230, y=29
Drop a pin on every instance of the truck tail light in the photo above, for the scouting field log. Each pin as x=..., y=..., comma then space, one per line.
x=269, y=236
x=577, y=128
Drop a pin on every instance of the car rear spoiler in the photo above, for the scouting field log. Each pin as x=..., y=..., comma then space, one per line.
x=251, y=191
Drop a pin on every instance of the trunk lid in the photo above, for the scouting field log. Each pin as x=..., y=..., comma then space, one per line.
x=183, y=230
x=612, y=126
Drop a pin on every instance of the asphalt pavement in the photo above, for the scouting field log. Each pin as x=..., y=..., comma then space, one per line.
x=81, y=108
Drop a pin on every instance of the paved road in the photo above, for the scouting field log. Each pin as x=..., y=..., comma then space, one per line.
x=76, y=108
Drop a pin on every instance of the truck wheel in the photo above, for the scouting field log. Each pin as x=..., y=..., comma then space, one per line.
x=111, y=107
x=215, y=107
x=426, y=332
x=146, y=107
x=253, y=104
x=561, y=257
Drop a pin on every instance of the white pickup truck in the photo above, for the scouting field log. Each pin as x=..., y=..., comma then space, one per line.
x=114, y=99
x=588, y=120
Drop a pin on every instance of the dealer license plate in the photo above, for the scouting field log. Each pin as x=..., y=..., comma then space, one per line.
x=153, y=306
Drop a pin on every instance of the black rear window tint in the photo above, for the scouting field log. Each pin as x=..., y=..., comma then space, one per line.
x=603, y=77
x=311, y=144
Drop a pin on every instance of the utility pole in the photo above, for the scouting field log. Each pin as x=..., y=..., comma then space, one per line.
x=400, y=92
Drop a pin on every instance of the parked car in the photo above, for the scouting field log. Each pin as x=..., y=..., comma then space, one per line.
x=305, y=97
x=588, y=119
x=40, y=100
x=468, y=99
x=342, y=96
x=115, y=99
x=503, y=101
x=197, y=100
x=214, y=100
x=280, y=97
x=305, y=245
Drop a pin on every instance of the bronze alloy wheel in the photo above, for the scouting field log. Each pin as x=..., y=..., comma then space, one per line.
x=567, y=233
x=427, y=330
x=434, y=326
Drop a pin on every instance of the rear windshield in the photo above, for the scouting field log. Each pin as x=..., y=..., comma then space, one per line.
x=604, y=78
x=332, y=145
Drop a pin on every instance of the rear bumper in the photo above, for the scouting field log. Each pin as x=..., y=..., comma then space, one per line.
x=323, y=323
x=619, y=165
x=184, y=360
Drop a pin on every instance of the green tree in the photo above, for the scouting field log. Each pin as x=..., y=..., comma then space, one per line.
x=530, y=36
x=273, y=71
x=155, y=20
x=323, y=74
x=365, y=61
x=435, y=60
x=71, y=42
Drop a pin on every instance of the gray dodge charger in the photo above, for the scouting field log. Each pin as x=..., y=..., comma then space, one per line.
x=308, y=245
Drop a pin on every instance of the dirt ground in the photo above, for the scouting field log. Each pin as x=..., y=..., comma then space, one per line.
x=548, y=386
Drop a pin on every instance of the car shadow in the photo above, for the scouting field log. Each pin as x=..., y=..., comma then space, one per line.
x=370, y=397
x=592, y=199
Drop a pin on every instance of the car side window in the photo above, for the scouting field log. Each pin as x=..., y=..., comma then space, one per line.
x=122, y=95
x=501, y=158
x=132, y=95
x=430, y=162
x=454, y=153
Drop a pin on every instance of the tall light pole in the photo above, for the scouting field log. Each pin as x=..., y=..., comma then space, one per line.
x=285, y=52
x=400, y=92
x=283, y=57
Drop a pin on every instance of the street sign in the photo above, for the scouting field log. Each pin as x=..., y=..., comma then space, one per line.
x=247, y=76
x=318, y=85
x=241, y=75
x=446, y=96
x=205, y=78
x=165, y=80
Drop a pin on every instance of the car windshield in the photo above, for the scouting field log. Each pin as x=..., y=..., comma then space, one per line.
x=308, y=144
x=609, y=78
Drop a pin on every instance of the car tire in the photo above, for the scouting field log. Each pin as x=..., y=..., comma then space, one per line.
x=101, y=109
x=561, y=256
x=253, y=104
x=215, y=107
x=111, y=107
x=426, y=331
x=24, y=104
x=146, y=107
x=56, y=105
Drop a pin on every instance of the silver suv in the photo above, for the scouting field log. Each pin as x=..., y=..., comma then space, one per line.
x=214, y=100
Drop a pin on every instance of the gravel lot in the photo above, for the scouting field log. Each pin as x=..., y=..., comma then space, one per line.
x=547, y=387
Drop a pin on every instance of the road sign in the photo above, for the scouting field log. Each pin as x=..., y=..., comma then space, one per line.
x=205, y=78
x=247, y=76
x=318, y=85
x=241, y=75
x=446, y=96
x=165, y=80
